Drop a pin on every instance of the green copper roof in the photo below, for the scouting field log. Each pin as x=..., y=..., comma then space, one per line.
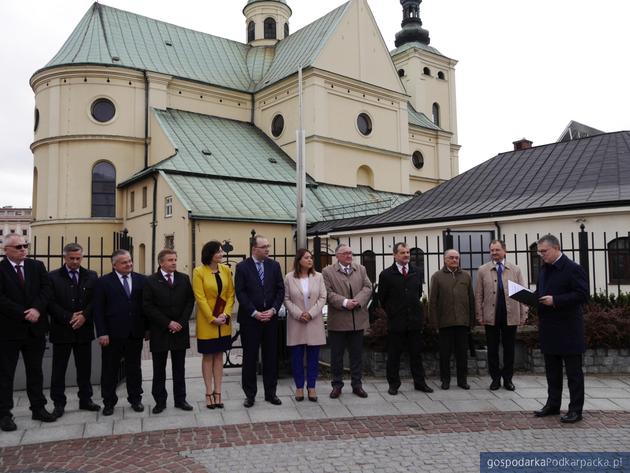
x=111, y=37
x=223, y=170
x=420, y=119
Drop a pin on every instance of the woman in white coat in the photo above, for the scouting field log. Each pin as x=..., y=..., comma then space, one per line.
x=304, y=299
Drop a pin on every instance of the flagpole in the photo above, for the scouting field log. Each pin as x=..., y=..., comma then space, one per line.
x=301, y=172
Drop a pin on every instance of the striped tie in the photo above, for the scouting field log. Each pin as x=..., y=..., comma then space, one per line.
x=261, y=272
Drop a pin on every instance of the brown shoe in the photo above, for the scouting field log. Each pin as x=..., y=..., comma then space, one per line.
x=335, y=393
x=358, y=391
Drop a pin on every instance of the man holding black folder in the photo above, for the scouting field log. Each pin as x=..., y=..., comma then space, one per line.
x=499, y=314
x=562, y=289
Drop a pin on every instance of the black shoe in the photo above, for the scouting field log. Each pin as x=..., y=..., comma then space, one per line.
x=445, y=385
x=43, y=415
x=248, y=402
x=184, y=406
x=89, y=406
x=108, y=410
x=358, y=391
x=335, y=393
x=571, y=417
x=137, y=407
x=547, y=411
x=495, y=384
x=509, y=385
x=7, y=424
x=392, y=391
x=423, y=387
x=158, y=408
x=275, y=400
x=464, y=385
x=58, y=411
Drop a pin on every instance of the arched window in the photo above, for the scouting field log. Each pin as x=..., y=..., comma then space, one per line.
x=142, y=258
x=417, y=259
x=401, y=73
x=441, y=75
x=35, y=179
x=619, y=260
x=251, y=31
x=103, y=190
x=365, y=176
x=426, y=71
x=534, y=263
x=436, y=113
x=368, y=259
x=270, y=28
x=286, y=30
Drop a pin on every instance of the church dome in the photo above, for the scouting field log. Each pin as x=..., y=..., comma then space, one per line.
x=250, y=2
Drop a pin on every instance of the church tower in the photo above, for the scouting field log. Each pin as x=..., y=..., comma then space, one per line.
x=267, y=21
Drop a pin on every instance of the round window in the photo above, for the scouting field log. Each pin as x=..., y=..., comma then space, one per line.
x=277, y=125
x=36, y=120
x=103, y=110
x=417, y=159
x=364, y=123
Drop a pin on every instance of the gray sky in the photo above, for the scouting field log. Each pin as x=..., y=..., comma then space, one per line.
x=526, y=68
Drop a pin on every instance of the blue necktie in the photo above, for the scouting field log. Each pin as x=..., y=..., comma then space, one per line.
x=73, y=276
x=126, y=286
x=261, y=272
x=500, y=276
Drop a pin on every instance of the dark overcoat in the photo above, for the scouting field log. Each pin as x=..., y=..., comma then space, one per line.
x=400, y=298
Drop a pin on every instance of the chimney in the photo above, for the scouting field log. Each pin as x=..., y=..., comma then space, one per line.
x=521, y=144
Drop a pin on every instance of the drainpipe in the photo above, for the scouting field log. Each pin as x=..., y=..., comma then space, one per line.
x=146, y=120
x=154, y=223
x=496, y=224
x=193, y=243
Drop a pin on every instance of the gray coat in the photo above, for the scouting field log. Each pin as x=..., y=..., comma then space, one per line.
x=340, y=286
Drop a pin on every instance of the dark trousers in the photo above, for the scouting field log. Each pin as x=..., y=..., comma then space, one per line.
x=505, y=335
x=575, y=378
x=83, y=363
x=339, y=341
x=32, y=350
x=158, y=388
x=129, y=349
x=257, y=335
x=409, y=341
x=312, y=365
x=454, y=340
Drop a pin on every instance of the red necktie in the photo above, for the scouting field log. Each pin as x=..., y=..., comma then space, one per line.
x=20, y=274
x=169, y=280
x=404, y=271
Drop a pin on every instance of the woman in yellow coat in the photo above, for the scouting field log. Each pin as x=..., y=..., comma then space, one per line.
x=214, y=292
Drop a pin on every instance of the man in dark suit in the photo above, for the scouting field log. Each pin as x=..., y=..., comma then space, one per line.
x=24, y=295
x=72, y=329
x=399, y=292
x=562, y=288
x=260, y=292
x=120, y=327
x=168, y=304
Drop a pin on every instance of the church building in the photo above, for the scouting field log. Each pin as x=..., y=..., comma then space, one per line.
x=180, y=136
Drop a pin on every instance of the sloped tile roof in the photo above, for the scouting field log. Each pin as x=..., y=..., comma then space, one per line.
x=585, y=173
x=420, y=119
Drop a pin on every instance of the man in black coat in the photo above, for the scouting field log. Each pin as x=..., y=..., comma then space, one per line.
x=399, y=292
x=562, y=288
x=120, y=327
x=168, y=304
x=260, y=292
x=71, y=327
x=24, y=295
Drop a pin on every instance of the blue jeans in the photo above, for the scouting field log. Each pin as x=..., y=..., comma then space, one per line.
x=312, y=365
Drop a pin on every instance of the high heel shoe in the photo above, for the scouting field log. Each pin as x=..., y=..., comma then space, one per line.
x=216, y=397
x=210, y=401
x=312, y=395
x=299, y=395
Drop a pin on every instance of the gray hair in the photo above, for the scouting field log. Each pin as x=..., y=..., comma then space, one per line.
x=550, y=239
x=400, y=244
x=71, y=248
x=118, y=253
x=340, y=246
x=450, y=249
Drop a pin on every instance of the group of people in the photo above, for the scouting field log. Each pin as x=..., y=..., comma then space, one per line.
x=123, y=308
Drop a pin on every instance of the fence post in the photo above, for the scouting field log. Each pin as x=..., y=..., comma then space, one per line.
x=583, y=249
x=448, y=240
x=317, y=252
x=252, y=240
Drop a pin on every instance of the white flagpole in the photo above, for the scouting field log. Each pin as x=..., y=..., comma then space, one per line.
x=301, y=172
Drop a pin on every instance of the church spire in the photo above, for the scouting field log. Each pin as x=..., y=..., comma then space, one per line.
x=412, y=31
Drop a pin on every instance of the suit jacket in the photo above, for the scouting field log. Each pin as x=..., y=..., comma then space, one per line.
x=561, y=326
x=400, y=298
x=68, y=298
x=340, y=286
x=163, y=304
x=115, y=314
x=312, y=332
x=252, y=295
x=15, y=299
x=486, y=294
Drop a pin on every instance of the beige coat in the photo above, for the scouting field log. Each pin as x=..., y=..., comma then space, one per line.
x=312, y=332
x=486, y=294
x=339, y=287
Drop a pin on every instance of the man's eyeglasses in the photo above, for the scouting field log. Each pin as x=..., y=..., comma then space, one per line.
x=18, y=247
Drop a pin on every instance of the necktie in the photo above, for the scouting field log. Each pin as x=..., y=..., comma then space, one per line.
x=347, y=270
x=404, y=271
x=126, y=286
x=20, y=274
x=73, y=276
x=169, y=280
x=500, y=276
x=261, y=272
